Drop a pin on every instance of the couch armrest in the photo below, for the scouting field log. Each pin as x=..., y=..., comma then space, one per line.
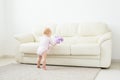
x=104, y=37
x=106, y=53
x=24, y=38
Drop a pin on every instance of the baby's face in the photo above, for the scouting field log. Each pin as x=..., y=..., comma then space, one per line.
x=49, y=34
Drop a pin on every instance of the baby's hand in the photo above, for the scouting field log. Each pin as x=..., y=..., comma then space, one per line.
x=55, y=44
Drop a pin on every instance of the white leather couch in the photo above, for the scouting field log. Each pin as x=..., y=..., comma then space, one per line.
x=85, y=44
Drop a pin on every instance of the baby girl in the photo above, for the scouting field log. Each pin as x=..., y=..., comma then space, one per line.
x=45, y=42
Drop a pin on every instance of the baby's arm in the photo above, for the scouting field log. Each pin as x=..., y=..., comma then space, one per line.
x=52, y=43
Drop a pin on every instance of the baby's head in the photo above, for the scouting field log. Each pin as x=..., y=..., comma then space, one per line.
x=47, y=31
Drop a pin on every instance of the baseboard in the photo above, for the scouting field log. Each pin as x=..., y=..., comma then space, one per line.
x=7, y=56
x=115, y=60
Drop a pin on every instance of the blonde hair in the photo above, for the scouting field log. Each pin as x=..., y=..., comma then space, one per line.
x=47, y=31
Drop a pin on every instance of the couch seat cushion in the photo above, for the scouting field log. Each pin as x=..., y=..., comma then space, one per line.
x=85, y=49
x=29, y=47
x=60, y=49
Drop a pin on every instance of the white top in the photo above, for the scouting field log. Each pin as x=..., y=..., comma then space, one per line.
x=45, y=42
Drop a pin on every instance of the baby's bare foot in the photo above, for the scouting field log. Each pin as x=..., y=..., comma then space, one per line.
x=38, y=66
x=44, y=68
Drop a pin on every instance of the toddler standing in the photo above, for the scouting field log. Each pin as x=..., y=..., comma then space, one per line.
x=45, y=42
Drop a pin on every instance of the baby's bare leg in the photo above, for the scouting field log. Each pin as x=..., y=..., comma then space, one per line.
x=44, y=60
x=38, y=62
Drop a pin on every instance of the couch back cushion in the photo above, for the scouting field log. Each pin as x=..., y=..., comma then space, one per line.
x=92, y=29
x=67, y=30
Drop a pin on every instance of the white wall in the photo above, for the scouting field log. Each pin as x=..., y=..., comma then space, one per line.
x=1, y=26
x=10, y=43
x=26, y=14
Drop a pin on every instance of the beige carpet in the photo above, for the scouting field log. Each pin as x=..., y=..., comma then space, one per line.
x=30, y=72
